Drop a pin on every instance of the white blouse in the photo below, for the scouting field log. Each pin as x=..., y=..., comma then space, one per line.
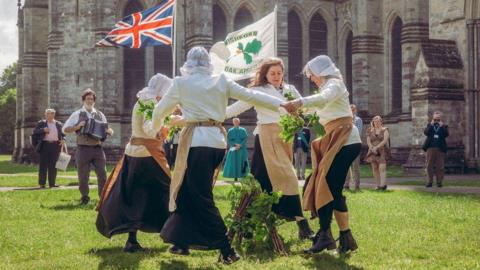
x=205, y=97
x=264, y=116
x=332, y=103
x=141, y=128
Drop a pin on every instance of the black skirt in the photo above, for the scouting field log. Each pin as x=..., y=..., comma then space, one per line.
x=289, y=206
x=197, y=223
x=138, y=199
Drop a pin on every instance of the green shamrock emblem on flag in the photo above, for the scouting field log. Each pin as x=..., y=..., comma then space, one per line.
x=252, y=47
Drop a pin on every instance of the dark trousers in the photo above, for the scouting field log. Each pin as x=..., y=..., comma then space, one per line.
x=173, y=154
x=335, y=180
x=86, y=156
x=49, y=152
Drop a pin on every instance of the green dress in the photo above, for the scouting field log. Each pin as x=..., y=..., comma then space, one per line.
x=236, y=164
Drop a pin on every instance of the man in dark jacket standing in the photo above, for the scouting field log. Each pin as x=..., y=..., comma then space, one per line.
x=50, y=140
x=301, y=145
x=436, y=147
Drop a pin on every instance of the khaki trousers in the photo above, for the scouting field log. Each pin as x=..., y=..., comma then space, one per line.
x=354, y=174
x=435, y=164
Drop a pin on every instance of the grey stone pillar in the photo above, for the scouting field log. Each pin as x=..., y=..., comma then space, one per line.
x=414, y=31
x=199, y=24
x=367, y=58
x=34, y=71
x=472, y=96
x=19, y=106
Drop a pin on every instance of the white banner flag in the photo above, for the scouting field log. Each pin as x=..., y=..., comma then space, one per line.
x=240, y=54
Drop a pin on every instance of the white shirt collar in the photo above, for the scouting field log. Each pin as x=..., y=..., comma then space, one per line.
x=85, y=109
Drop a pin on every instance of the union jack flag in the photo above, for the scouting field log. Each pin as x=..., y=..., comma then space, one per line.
x=151, y=27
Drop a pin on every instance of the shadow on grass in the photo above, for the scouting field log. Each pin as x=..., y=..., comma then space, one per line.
x=115, y=258
x=328, y=261
x=28, y=188
x=180, y=265
x=72, y=205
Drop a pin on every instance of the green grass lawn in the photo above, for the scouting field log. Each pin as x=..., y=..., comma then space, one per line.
x=449, y=182
x=47, y=229
x=21, y=175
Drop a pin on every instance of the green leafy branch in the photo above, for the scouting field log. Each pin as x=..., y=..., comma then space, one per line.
x=146, y=109
x=293, y=123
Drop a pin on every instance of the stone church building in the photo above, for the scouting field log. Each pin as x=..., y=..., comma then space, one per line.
x=402, y=60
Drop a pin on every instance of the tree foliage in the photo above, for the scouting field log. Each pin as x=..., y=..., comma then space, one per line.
x=8, y=103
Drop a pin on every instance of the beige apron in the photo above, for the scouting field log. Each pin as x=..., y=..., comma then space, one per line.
x=184, y=143
x=278, y=157
x=324, y=150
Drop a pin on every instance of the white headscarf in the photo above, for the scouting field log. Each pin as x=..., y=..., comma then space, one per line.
x=198, y=61
x=322, y=66
x=157, y=87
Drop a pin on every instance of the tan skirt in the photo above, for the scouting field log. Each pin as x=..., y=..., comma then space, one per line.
x=278, y=157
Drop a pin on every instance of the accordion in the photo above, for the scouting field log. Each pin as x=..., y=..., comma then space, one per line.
x=95, y=129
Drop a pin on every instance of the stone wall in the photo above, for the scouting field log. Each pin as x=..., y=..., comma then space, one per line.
x=68, y=30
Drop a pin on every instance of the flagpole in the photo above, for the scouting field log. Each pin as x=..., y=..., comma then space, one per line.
x=275, y=31
x=174, y=43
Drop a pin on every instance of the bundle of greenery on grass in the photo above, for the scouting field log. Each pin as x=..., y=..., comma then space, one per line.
x=251, y=222
x=293, y=123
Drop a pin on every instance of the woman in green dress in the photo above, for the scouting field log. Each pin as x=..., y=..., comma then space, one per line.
x=236, y=164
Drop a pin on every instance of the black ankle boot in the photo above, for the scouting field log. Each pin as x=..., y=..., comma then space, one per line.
x=228, y=256
x=323, y=240
x=131, y=247
x=179, y=250
x=347, y=242
x=304, y=231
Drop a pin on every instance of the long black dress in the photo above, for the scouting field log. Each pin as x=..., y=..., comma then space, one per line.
x=138, y=200
x=197, y=223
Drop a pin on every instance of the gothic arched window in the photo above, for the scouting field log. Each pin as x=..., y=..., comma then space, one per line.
x=348, y=65
x=295, y=56
x=243, y=17
x=219, y=24
x=133, y=64
x=396, y=65
x=318, y=36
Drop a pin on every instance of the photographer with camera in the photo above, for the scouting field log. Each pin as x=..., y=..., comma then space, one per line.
x=436, y=147
x=89, y=148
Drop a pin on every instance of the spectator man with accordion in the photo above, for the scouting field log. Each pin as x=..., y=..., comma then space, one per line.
x=90, y=126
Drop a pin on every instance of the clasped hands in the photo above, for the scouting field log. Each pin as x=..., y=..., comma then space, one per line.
x=292, y=106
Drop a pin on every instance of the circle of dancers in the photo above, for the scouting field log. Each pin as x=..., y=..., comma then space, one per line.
x=142, y=195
